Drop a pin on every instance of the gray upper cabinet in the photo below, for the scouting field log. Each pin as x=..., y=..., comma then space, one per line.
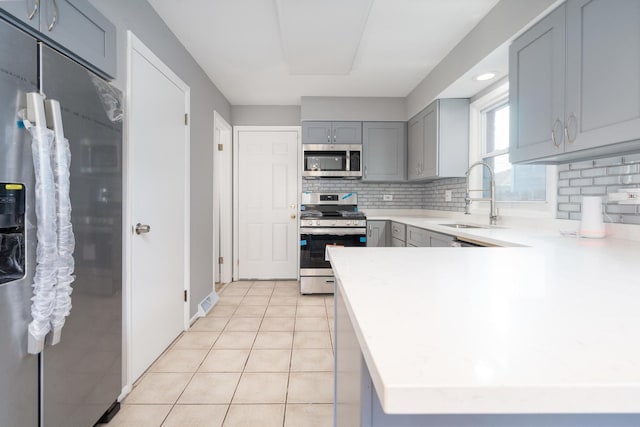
x=25, y=11
x=438, y=145
x=316, y=132
x=574, y=87
x=75, y=26
x=603, y=73
x=536, y=89
x=414, y=147
x=331, y=132
x=384, y=150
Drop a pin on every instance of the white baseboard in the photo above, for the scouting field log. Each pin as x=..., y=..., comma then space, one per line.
x=125, y=391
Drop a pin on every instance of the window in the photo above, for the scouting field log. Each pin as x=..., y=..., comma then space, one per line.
x=514, y=183
x=519, y=188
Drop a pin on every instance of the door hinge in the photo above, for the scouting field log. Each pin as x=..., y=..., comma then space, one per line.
x=220, y=147
x=185, y=295
x=186, y=119
x=220, y=260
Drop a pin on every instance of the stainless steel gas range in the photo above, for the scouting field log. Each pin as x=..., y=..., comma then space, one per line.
x=326, y=219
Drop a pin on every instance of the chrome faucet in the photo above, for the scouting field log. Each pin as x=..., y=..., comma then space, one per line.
x=493, y=214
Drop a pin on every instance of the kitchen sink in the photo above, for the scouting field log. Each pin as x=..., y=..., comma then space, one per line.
x=462, y=226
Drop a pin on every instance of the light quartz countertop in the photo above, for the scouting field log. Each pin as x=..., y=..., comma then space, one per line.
x=551, y=326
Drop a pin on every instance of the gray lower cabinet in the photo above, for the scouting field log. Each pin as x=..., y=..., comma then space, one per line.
x=384, y=151
x=399, y=231
x=377, y=233
x=438, y=145
x=573, y=82
x=316, y=132
x=74, y=26
x=439, y=240
x=397, y=243
x=419, y=237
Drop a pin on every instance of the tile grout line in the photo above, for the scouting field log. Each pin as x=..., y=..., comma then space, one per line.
x=244, y=367
x=293, y=337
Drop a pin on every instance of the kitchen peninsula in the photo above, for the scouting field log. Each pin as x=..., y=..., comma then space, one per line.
x=544, y=335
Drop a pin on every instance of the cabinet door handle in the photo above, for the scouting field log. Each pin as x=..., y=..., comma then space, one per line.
x=329, y=136
x=553, y=133
x=54, y=21
x=334, y=136
x=36, y=6
x=369, y=230
x=572, y=118
x=365, y=171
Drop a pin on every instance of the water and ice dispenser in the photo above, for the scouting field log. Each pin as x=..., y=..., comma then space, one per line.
x=12, y=232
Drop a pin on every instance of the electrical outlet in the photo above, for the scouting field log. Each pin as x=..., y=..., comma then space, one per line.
x=447, y=195
x=387, y=197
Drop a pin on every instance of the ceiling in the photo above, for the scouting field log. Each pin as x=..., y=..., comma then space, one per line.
x=272, y=52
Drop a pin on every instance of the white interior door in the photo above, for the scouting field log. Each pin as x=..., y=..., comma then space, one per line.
x=158, y=139
x=222, y=199
x=267, y=165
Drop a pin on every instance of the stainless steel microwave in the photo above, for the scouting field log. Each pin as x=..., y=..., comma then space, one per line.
x=332, y=161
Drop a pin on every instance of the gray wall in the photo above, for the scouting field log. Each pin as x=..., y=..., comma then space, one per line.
x=142, y=20
x=598, y=178
x=265, y=115
x=366, y=109
x=428, y=195
x=501, y=24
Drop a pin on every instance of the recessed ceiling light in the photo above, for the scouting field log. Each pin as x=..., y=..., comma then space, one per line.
x=485, y=76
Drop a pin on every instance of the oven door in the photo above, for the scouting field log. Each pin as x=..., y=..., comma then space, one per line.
x=314, y=242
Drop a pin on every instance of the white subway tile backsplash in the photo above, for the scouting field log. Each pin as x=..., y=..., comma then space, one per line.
x=622, y=170
x=569, y=207
x=582, y=165
x=594, y=191
x=605, y=180
x=593, y=172
x=598, y=178
x=428, y=195
x=581, y=182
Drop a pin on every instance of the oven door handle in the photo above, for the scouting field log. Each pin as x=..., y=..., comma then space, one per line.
x=334, y=231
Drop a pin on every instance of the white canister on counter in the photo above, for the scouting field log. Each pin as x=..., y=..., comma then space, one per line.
x=592, y=223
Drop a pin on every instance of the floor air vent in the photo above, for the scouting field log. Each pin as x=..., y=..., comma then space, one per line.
x=207, y=304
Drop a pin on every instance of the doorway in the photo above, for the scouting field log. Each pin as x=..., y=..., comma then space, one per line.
x=222, y=200
x=156, y=302
x=266, y=200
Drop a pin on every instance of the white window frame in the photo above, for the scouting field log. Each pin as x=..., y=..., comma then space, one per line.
x=477, y=151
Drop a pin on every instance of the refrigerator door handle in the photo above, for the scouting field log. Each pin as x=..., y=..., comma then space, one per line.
x=66, y=240
x=35, y=109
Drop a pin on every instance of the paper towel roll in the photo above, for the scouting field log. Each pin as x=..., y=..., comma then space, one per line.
x=592, y=224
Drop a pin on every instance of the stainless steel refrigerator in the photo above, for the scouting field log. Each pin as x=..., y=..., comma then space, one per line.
x=74, y=382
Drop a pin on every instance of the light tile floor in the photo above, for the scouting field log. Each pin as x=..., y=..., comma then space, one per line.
x=262, y=357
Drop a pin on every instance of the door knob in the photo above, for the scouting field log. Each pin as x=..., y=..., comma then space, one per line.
x=293, y=216
x=142, y=228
